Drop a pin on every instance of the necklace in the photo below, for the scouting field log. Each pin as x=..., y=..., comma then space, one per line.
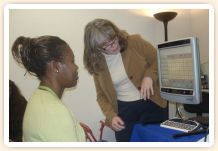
x=49, y=90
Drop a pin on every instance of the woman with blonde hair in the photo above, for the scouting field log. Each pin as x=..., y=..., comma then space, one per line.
x=124, y=68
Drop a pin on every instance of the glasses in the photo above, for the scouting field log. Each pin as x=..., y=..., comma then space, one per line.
x=109, y=44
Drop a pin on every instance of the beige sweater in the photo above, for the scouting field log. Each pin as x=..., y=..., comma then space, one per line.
x=140, y=60
x=126, y=91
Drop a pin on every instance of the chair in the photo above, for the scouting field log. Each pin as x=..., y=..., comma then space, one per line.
x=88, y=132
x=103, y=124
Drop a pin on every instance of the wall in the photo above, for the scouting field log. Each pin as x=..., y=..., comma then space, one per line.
x=69, y=25
x=200, y=28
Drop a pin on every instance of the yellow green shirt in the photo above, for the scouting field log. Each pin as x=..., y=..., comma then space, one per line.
x=47, y=119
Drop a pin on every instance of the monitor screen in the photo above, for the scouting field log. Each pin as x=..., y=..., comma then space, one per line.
x=179, y=71
x=176, y=66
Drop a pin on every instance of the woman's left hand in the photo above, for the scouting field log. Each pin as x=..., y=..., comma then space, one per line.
x=146, y=88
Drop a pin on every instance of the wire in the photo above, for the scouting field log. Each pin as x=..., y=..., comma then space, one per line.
x=206, y=134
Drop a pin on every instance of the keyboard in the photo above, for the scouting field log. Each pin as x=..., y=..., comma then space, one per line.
x=180, y=124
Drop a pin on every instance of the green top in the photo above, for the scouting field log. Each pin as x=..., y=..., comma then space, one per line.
x=47, y=119
x=48, y=89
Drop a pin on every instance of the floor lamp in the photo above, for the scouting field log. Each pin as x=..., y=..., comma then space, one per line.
x=165, y=17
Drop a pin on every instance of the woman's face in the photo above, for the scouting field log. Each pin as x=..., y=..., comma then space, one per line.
x=111, y=47
x=69, y=70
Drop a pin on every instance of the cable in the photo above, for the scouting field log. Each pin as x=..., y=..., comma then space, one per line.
x=206, y=134
x=190, y=133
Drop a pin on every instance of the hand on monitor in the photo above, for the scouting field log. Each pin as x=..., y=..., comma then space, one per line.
x=146, y=88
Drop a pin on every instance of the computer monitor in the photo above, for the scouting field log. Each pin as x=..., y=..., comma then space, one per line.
x=179, y=70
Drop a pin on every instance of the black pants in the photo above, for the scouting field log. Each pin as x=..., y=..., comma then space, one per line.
x=139, y=111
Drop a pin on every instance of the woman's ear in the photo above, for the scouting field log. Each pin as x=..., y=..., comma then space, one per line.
x=55, y=66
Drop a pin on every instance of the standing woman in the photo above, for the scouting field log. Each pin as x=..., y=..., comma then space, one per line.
x=46, y=118
x=124, y=68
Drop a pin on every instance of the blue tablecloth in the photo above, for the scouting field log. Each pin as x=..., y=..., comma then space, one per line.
x=155, y=133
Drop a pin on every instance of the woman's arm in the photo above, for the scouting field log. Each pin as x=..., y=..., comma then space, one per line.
x=105, y=106
x=149, y=53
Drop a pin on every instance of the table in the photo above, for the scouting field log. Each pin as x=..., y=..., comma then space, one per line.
x=155, y=133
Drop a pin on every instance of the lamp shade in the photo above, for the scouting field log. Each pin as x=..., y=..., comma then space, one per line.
x=165, y=16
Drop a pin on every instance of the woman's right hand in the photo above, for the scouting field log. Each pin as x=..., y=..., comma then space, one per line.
x=117, y=123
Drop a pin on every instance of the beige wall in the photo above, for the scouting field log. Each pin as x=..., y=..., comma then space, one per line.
x=69, y=25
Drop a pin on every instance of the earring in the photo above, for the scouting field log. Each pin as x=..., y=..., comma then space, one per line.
x=57, y=71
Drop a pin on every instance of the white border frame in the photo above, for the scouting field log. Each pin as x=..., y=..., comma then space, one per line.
x=108, y=6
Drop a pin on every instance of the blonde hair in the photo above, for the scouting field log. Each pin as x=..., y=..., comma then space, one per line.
x=97, y=33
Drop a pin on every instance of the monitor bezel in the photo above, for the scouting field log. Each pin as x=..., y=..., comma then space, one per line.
x=193, y=96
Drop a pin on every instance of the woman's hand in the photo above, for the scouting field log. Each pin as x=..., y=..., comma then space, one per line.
x=117, y=123
x=146, y=88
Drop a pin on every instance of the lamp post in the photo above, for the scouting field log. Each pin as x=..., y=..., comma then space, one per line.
x=165, y=17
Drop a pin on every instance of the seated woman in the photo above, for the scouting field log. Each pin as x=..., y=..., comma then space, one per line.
x=46, y=118
x=17, y=106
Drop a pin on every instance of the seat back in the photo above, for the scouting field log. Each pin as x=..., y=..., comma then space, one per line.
x=88, y=132
x=103, y=124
